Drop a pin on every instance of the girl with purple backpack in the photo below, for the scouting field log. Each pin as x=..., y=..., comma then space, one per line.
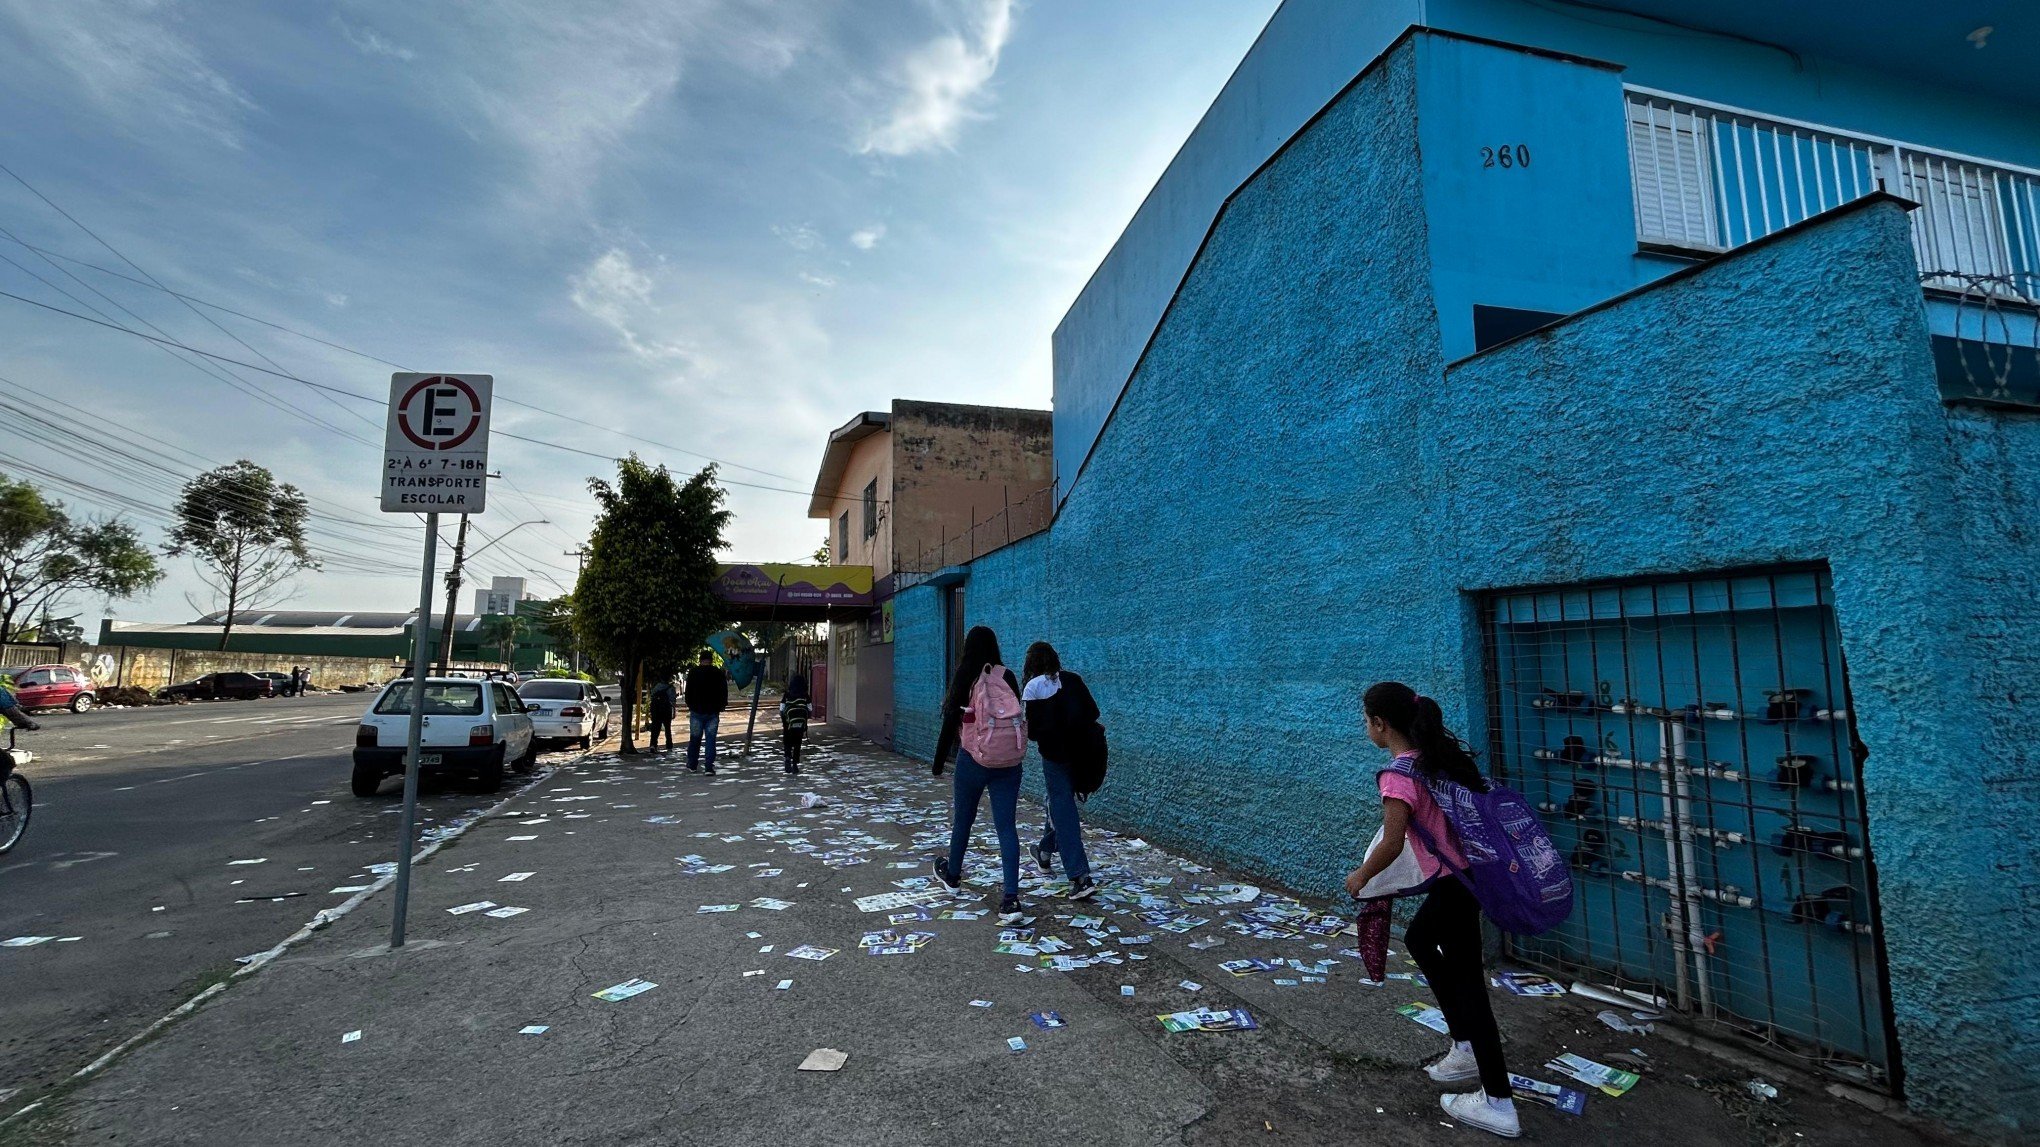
x=981, y=690
x=1445, y=936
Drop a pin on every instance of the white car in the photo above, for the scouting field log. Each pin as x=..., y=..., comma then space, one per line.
x=476, y=728
x=565, y=711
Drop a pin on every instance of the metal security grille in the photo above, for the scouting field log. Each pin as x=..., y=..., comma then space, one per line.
x=1691, y=746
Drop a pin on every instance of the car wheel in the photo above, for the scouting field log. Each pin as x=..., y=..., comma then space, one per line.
x=587, y=743
x=490, y=778
x=528, y=763
x=81, y=702
x=367, y=779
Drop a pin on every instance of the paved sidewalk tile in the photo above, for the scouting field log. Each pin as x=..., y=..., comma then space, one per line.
x=490, y=1026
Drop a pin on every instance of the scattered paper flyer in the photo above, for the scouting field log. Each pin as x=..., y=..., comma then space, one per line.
x=1549, y=1094
x=477, y=906
x=625, y=990
x=1210, y=1020
x=811, y=952
x=1529, y=984
x=532, y=837
x=782, y=985
x=1016, y=1045
x=258, y=860
x=981, y=1003
x=517, y=876
x=25, y=941
x=706, y=908
x=1612, y=1080
x=824, y=1059
x=1427, y=1015
x=350, y=1037
x=1048, y=1021
x=534, y=1029
x=1190, y=986
x=771, y=905
x=505, y=913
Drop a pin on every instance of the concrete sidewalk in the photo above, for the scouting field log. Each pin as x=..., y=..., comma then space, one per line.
x=709, y=1056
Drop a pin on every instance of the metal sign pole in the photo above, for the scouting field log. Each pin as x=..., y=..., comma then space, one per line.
x=420, y=657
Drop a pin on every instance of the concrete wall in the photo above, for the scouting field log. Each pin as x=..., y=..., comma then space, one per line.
x=153, y=669
x=956, y=466
x=871, y=459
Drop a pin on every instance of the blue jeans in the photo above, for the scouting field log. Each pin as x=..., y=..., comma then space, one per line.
x=1064, y=828
x=972, y=782
x=701, y=727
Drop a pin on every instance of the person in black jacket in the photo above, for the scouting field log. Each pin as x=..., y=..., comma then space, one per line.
x=708, y=692
x=1060, y=709
x=794, y=708
x=661, y=706
x=973, y=781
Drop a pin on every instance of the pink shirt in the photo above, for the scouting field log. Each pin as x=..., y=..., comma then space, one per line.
x=1423, y=811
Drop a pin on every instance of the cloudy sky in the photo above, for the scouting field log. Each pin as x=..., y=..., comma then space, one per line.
x=720, y=226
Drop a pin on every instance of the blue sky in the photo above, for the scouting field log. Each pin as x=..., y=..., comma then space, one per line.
x=725, y=225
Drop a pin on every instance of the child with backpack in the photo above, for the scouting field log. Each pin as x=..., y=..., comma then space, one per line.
x=1445, y=936
x=982, y=720
x=1060, y=714
x=794, y=709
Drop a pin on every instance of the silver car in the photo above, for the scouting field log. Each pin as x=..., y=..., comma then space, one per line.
x=565, y=712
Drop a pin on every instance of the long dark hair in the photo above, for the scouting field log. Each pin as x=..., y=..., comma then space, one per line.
x=980, y=648
x=1439, y=751
x=1041, y=661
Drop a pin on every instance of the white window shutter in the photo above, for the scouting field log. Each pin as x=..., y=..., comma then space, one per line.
x=1670, y=166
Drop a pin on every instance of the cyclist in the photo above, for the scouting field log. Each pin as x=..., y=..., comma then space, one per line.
x=10, y=709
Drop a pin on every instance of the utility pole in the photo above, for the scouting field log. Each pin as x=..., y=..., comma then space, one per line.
x=580, y=556
x=452, y=594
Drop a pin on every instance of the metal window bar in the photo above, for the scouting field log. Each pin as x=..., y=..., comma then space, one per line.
x=1712, y=178
x=1716, y=825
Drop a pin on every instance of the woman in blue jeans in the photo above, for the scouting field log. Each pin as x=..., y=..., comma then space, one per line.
x=1059, y=709
x=973, y=781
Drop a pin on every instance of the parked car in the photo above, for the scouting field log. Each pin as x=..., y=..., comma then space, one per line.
x=231, y=686
x=472, y=728
x=565, y=711
x=52, y=687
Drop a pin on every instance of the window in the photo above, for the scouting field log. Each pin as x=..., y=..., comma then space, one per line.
x=843, y=532
x=871, y=509
x=35, y=677
x=1671, y=158
x=442, y=698
x=552, y=690
x=506, y=701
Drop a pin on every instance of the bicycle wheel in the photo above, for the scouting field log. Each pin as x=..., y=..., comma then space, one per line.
x=17, y=800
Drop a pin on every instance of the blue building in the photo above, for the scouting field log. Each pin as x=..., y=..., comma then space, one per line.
x=1655, y=384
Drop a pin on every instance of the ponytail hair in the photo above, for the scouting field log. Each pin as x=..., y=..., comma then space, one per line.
x=1440, y=752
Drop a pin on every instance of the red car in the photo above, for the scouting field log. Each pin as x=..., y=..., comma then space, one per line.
x=52, y=687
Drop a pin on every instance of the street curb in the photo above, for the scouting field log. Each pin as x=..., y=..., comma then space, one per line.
x=320, y=920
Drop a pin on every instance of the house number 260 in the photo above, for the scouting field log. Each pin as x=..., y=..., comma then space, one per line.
x=1507, y=155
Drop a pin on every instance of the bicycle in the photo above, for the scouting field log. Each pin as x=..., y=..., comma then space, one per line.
x=17, y=798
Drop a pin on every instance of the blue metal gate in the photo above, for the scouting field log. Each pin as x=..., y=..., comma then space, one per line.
x=1691, y=745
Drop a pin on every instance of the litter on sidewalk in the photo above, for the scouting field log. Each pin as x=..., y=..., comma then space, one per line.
x=1528, y=984
x=352, y=1036
x=1549, y=1094
x=625, y=990
x=1210, y=1020
x=477, y=906
x=534, y=1029
x=1612, y=1080
x=824, y=1059
x=811, y=952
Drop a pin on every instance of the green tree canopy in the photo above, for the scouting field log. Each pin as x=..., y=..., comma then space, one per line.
x=245, y=533
x=46, y=557
x=646, y=601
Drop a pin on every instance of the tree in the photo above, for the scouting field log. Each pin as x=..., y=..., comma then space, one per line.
x=245, y=534
x=555, y=619
x=501, y=632
x=821, y=554
x=46, y=557
x=646, y=601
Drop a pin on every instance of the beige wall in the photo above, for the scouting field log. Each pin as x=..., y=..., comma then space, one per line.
x=958, y=465
x=151, y=668
x=870, y=459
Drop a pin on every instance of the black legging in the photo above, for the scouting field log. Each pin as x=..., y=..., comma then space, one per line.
x=1444, y=939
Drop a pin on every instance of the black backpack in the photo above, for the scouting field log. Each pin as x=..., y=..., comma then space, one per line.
x=796, y=717
x=1088, y=753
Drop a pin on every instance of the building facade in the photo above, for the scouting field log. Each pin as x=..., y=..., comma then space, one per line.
x=1658, y=392
x=910, y=492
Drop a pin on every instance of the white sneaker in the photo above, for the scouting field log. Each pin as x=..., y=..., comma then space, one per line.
x=1473, y=1109
x=1457, y=1067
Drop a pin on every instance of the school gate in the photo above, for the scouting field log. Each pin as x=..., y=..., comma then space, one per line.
x=1691, y=746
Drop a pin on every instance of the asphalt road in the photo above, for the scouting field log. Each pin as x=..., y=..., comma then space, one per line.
x=140, y=818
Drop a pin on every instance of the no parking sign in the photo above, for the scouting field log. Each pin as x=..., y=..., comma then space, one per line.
x=436, y=444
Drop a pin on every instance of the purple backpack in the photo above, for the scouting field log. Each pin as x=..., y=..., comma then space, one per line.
x=1512, y=868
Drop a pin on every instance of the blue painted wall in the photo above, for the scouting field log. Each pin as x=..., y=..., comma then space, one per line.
x=1563, y=236
x=918, y=672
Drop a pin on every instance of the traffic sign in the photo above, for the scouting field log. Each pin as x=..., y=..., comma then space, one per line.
x=436, y=444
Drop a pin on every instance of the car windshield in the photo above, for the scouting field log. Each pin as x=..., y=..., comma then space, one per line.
x=442, y=698
x=551, y=690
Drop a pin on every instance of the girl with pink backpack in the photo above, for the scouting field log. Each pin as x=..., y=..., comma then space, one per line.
x=982, y=719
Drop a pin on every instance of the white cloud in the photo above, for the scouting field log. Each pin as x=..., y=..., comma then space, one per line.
x=613, y=291
x=130, y=61
x=943, y=83
x=370, y=42
x=865, y=238
x=336, y=299
x=814, y=280
x=799, y=236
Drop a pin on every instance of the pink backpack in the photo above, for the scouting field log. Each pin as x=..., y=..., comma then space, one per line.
x=995, y=726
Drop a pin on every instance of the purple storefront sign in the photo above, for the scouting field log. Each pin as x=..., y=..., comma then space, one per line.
x=847, y=587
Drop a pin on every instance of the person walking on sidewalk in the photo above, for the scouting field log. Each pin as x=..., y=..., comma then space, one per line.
x=1060, y=711
x=708, y=692
x=662, y=703
x=794, y=708
x=1444, y=937
x=982, y=681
